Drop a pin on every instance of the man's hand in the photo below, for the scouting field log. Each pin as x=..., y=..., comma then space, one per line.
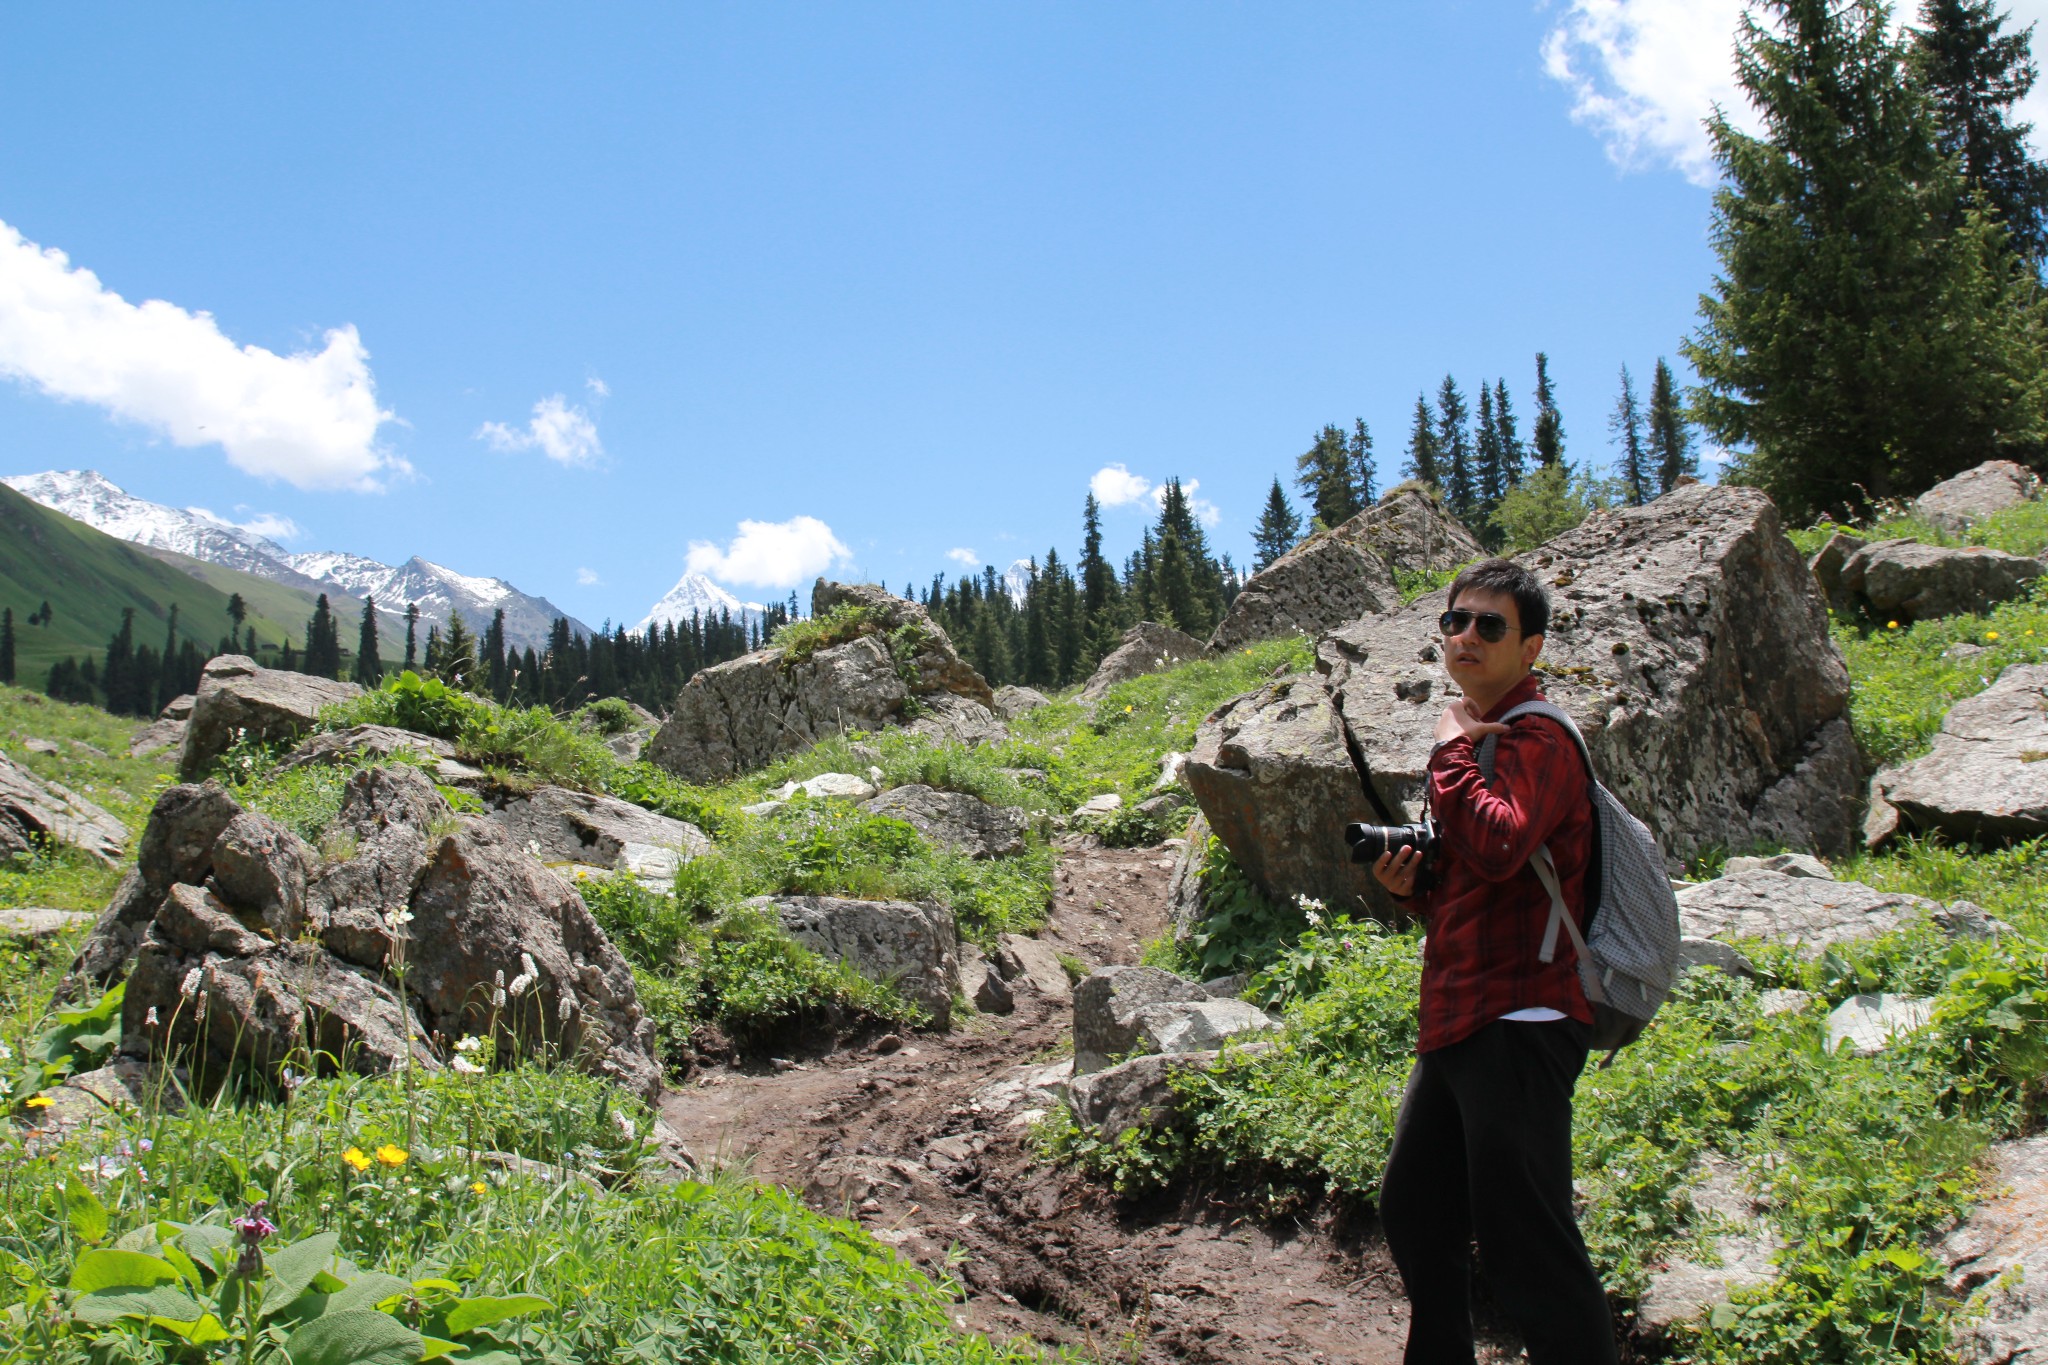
x=1461, y=718
x=1396, y=870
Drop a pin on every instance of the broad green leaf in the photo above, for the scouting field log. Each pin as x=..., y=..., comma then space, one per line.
x=203, y=1240
x=143, y=1238
x=187, y=1267
x=326, y=1283
x=437, y=1348
x=204, y=1332
x=1724, y=1317
x=293, y=1269
x=121, y=1270
x=163, y=1301
x=491, y=1358
x=367, y=1291
x=470, y=1314
x=359, y=1337
x=1905, y=1258
x=84, y=1211
x=435, y=1282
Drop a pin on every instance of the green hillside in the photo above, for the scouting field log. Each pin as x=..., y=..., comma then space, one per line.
x=266, y=598
x=88, y=577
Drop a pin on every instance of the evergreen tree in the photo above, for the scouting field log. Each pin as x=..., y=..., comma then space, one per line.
x=369, y=667
x=1490, y=474
x=1511, y=453
x=1454, y=451
x=1670, y=440
x=412, y=622
x=7, y=645
x=497, y=675
x=118, y=677
x=1976, y=77
x=69, y=682
x=1627, y=426
x=323, y=642
x=431, y=660
x=1363, y=478
x=1423, y=464
x=1098, y=576
x=167, y=679
x=457, y=664
x=1277, y=530
x=238, y=612
x=1324, y=476
x=1861, y=340
x=1549, y=431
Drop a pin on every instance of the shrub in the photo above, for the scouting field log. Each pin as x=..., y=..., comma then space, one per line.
x=608, y=716
x=426, y=706
x=801, y=638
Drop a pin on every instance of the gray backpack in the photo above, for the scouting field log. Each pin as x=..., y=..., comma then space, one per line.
x=1628, y=956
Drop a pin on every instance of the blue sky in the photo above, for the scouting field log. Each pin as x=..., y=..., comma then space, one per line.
x=554, y=293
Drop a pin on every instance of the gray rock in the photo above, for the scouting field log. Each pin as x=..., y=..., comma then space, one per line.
x=262, y=870
x=1689, y=642
x=628, y=747
x=1107, y=1004
x=1147, y=647
x=763, y=808
x=1791, y=864
x=740, y=715
x=1185, y=907
x=1686, y=1289
x=388, y=818
x=2007, y=1319
x=955, y=819
x=32, y=810
x=1911, y=581
x=1097, y=809
x=980, y=983
x=1034, y=965
x=1803, y=911
x=42, y=746
x=1341, y=574
x=562, y=826
x=1986, y=776
x=167, y=731
x=903, y=944
x=1133, y=1094
x=1012, y=701
x=1784, y=1002
x=1827, y=564
x=1866, y=1024
x=1975, y=494
x=366, y=741
x=176, y=846
x=1198, y=1025
x=1227, y=987
x=238, y=697
x=1967, y=919
x=944, y=718
x=1706, y=952
x=35, y=924
x=826, y=786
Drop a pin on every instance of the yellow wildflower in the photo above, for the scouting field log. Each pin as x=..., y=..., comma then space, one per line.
x=479, y=1188
x=40, y=1101
x=391, y=1156
x=1891, y=625
x=356, y=1160
x=1127, y=710
x=1991, y=635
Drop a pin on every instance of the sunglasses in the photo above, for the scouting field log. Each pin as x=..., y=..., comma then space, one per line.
x=1493, y=627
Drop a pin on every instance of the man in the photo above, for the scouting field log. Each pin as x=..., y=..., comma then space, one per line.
x=1483, y=1143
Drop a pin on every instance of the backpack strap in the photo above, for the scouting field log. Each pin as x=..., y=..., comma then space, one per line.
x=1546, y=872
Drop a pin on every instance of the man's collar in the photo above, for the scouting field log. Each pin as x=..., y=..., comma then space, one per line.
x=1525, y=690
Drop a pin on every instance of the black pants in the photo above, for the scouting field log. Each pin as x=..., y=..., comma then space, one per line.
x=1483, y=1146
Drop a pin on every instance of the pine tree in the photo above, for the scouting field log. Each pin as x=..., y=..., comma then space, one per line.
x=238, y=612
x=412, y=622
x=1098, y=575
x=1490, y=473
x=1670, y=440
x=1277, y=530
x=1454, y=451
x=1861, y=340
x=167, y=678
x=323, y=642
x=458, y=653
x=1549, y=431
x=369, y=667
x=497, y=676
x=1363, y=477
x=1423, y=464
x=1627, y=425
x=7, y=645
x=1511, y=453
x=118, y=677
x=1324, y=476
x=1976, y=78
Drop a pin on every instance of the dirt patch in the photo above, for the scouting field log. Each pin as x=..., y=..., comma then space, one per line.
x=925, y=1140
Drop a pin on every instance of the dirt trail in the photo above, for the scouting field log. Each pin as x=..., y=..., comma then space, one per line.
x=926, y=1144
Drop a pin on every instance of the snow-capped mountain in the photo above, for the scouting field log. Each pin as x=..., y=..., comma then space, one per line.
x=1017, y=578
x=694, y=593
x=87, y=496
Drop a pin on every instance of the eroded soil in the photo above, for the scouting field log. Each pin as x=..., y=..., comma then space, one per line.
x=925, y=1140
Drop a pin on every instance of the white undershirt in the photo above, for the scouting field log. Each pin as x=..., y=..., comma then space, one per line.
x=1535, y=1014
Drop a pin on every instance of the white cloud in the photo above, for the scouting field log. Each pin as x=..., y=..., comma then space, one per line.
x=1645, y=74
x=564, y=434
x=309, y=418
x=269, y=525
x=1115, y=486
x=588, y=577
x=1205, y=511
x=598, y=387
x=962, y=555
x=771, y=554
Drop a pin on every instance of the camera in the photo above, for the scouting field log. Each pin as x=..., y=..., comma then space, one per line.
x=1368, y=842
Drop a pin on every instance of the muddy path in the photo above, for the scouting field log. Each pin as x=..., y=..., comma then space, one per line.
x=925, y=1139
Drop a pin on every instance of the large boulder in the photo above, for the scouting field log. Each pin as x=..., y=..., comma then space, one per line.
x=167, y=731
x=1687, y=639
x=1147, y=647
x=1910, y=581
x=1346, y=572
x=1013, y=701
x=1200, y=1025
x=560, y=826
x=33, y=810
x=1137, y=1093
x=1975, y=494
x=1986, y=776
x=1106, y=1008
x=238, y=698
x=904, y=944
x=1809, y=913
x=1999, y=1256
x=947, y=718
x=955, y=819
x=737, y=716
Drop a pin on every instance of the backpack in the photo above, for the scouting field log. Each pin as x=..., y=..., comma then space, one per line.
x=1628, y=954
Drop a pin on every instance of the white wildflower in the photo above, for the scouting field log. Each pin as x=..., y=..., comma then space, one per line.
x=397, y=918
x=149, y=1020
x=190, y=985
x=519, y=985
x=1311, y=909
x=466, y=1066
x=6, y=1053
x=469, y=1044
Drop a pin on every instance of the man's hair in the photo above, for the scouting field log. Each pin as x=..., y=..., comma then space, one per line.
x=1505, y=576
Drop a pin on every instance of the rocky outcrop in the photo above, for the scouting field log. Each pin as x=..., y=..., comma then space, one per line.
x=1687, y=639
x=1807, y=912
x=1199, y=1025
x=904, y=944
x=1999, y=1256
x=1034, y=965
x=1986, y=776
x=955, y=819
x=737, y=716
x=1147, y=647
x=238, y=698
x=35, y=925
x=1908, y=581
x=1975, y=494
x=1133, y=1094
x=33, y=810
x=245, y=949
x=360, y=742
x=1106, y=1008
x=563, y=827
x=1012, y=701
x=167, y=731
x=946, y=718
x=1348, y=571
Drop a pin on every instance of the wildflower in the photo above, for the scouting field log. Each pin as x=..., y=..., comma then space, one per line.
x=190, y=985
x=105, y=1167
x=465, y=1066
x=1312, y=909
x=469, y=1044
x=1991, y=635
x=1891, y=625
x=40, y=1101
x=1127, y=710
x=396, y=919
x=6, y=1053
x=498, y=990
x=392, y=1156
x=356, y=1160
x=479, y=1188
x=255, y=1229
x=149, y=1020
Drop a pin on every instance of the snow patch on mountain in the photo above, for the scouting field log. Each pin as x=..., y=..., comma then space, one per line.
x=88, y=496
x=696, y=594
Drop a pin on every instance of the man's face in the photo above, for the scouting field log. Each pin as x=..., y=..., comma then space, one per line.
x=1488, y=669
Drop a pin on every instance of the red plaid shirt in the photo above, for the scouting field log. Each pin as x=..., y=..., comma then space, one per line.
x=1487, y=909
